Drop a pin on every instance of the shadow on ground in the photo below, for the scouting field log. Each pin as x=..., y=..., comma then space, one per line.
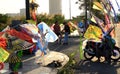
x=89, y=67
x=73, y=44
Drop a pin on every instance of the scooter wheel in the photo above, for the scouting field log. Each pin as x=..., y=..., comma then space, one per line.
x=116, y=54
x=88, y=56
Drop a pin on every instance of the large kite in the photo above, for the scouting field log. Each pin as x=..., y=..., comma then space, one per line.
x=36, y=36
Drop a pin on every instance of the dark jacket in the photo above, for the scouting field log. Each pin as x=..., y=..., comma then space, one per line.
x=67, y=29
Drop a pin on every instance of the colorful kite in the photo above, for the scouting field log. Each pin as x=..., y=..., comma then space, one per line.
x=93, y=32
x=39, y=36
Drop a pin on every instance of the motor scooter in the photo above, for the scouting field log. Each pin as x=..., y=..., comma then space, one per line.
x=104, y=48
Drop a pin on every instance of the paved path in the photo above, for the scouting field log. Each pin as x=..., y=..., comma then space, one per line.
x=83, y=67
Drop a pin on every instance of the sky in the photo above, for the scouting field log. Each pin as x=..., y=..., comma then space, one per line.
x=74, y=8
x=11, y=6
x=14, y=6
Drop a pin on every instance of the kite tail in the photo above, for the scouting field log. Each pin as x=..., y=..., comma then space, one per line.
x=116, y=19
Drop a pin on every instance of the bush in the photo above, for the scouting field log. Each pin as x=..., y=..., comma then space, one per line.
x=3, y=18
x=3, y=21
x=50, y=19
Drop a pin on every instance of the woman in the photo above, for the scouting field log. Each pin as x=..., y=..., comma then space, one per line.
x=66, y=31
x=57, y=31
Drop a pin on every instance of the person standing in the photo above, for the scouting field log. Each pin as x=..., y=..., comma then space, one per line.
x=81, y=28
x=66, y=31
x=57, y=31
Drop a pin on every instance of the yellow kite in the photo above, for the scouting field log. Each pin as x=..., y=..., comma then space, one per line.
x=3, y=55
x=97, y=6
x=93, y=32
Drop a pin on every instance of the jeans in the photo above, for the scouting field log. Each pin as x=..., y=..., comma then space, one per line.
x=66, y=37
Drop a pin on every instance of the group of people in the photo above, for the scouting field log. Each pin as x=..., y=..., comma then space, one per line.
x=59, y=32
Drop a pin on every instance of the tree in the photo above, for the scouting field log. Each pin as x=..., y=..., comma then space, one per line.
x=3, y=18
x=3, y=21
x=50, y=19
x=86, y=5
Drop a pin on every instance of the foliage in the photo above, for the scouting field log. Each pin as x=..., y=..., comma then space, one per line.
x=16, y=53
x=50, y=19
x=78, y=18
x=89, y=5
x=82, y=4
x=118, y=16
x=59, y=17
x=68, y=68
x=3, y=18
x=2, y=26
x=3, y=21
x=80, y=49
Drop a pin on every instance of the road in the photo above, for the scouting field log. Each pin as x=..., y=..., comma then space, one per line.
x=82, y=67
x=87, y=67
